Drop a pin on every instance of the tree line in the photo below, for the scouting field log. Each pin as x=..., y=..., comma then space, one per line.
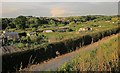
x=22, y=22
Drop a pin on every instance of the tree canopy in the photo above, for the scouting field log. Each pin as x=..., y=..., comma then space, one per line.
x=20, y=22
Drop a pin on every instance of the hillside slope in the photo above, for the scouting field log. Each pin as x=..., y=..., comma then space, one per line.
x=56, y=63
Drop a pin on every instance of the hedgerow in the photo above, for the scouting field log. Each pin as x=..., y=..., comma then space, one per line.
x=11, y=62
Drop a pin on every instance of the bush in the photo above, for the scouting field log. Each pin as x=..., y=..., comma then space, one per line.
x=23, y=39
x=69, y=30
x=34, y=29
x=21, y=45
x=87, y=39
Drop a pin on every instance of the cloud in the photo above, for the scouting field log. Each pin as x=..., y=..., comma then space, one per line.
x=57, y=11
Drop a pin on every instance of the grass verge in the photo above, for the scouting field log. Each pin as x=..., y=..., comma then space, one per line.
x=102, y=58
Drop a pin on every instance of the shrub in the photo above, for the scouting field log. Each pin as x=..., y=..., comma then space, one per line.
x=87, y=39
x=69, y=30
x=34, y=29
x=23, y=39
x=21, y=45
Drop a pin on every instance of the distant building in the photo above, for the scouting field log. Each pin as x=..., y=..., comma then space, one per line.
x=85, y=29
x=81, y=29
x=47, y=31
x=10, y=35
x=107, y=21
x=61, y=30
x=64, y=27
x=113, y=22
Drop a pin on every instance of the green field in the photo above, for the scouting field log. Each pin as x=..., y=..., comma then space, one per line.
x=102, y=58
x=34, y=24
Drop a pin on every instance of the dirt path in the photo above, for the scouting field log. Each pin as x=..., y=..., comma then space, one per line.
x=55, y=63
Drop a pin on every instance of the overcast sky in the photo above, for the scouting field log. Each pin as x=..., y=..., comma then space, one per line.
x=14, y=9
x=60, y=0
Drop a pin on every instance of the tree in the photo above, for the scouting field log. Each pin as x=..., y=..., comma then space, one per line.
x=52, y=22
x=20, y=22
x=37, y=22
x=5, y=22
x=33, y=22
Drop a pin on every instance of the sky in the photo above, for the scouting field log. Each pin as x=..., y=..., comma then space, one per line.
x=60, y=0
x=12, y=8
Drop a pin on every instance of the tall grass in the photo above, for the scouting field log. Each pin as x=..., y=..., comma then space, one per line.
x=102, y=58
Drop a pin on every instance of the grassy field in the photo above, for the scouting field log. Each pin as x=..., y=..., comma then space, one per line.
x=58, y=36
x=102, y=58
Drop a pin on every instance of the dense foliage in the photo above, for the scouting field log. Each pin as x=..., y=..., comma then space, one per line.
x=22, y=22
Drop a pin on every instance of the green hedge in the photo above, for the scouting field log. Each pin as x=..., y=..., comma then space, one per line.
x=11, y=62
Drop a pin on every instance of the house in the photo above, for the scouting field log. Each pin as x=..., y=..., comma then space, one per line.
x=48, y=31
